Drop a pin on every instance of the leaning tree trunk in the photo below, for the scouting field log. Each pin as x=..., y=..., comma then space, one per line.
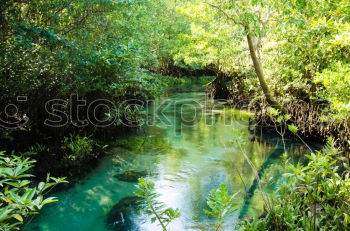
x=260, y=73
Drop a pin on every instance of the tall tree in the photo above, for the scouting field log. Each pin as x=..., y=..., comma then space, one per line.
x=253, y=17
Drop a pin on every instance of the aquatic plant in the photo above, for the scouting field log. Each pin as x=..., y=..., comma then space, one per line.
x=221, y=204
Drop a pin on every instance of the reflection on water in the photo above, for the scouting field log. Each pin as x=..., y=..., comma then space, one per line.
x=187, y=158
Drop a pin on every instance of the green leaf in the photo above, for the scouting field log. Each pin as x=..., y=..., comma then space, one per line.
x=294, y=129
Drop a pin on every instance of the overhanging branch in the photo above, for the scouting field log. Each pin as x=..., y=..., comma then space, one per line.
x=226, y=15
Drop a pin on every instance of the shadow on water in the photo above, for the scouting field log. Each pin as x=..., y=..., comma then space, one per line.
x=276, y=153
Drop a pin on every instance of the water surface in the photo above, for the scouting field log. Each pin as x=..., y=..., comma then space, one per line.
x=188, y=150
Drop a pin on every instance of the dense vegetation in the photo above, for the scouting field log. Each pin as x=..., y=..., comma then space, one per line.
x=55, y=54
x=300, y=51
x=286, y=58
x=72, y=51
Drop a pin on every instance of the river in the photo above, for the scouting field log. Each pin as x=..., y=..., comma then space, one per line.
x=188, y=149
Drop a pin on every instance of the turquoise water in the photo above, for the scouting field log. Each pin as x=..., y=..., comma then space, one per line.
x=187, y=149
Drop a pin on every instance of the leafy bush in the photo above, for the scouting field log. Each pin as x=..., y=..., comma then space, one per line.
x=221, y=204
x=336, y=82
x=310, y=197
x=19, y=199
x=79, y=146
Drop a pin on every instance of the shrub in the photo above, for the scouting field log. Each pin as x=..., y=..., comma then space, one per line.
x=79, y=146
x=19, y=199
x=221, y=204
x=310, y=197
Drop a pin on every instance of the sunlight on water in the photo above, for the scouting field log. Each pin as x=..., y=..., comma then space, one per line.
x=186, y=161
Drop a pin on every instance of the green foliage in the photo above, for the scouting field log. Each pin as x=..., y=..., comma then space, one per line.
x=164, y=216
x=273, y=113
x=239, y=137
x=310, y=197
x=303, y=45
x=106, y=49
x=79, y=146
x=96, y=48
x=170, y=81
x=210, y=40
x=20, y=199
x=221, y=204
x=294, y=129
x=336, y=81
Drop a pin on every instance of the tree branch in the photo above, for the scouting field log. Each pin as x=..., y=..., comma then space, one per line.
x=227, y=16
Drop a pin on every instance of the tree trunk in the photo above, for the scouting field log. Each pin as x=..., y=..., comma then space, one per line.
x=260, y=73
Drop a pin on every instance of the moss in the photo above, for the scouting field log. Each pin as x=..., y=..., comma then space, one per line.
x=235, y=113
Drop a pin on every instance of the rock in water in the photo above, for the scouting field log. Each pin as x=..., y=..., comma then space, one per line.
x=123, y=214
x=131, y=175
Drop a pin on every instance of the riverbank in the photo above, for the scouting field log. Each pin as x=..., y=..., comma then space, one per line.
x=315, y=119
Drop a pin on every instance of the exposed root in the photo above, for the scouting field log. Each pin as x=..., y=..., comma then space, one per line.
x=308, y=118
